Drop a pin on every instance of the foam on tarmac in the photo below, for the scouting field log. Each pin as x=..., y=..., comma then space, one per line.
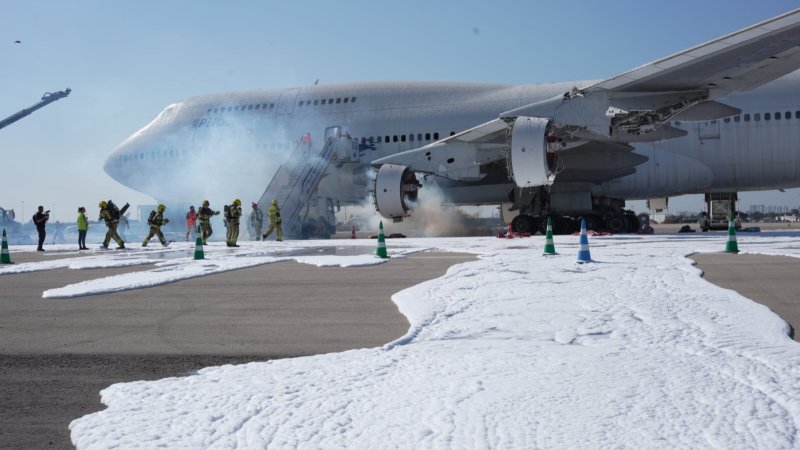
x=56, y=356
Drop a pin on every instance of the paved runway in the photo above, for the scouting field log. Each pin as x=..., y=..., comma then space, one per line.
x=56, y=355
x=773, y=281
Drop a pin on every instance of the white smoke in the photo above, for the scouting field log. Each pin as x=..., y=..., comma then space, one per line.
x=431, y=216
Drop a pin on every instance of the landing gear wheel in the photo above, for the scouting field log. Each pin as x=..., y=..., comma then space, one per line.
x=562, y=225
x=633, y=222
x=617, y=223
x=524, y=223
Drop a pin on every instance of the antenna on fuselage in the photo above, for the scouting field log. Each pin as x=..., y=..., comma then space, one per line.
x=316, y=82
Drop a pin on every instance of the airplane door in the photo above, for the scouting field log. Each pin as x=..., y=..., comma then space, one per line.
x=287, y=101
x=333, y=132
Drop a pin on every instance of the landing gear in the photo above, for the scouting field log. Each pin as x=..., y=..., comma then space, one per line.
x=617, y=223
x=633, y=222
x=524, y=223
x=561, y=225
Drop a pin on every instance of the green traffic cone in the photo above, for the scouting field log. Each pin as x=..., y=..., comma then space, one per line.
x=731, y=246
x=381, y=252
x=549, y=246
x=198, y=246
x=5, y=257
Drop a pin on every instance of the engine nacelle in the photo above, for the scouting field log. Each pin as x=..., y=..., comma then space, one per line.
x=530, y=163
x=396, y=189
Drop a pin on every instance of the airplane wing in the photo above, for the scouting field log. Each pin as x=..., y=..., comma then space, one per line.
x=739, y=61
x=538, y=141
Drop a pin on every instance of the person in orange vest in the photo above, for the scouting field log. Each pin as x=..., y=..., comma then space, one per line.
x=191, y=223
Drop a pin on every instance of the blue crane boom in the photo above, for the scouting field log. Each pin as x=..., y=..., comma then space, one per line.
x=47, y=98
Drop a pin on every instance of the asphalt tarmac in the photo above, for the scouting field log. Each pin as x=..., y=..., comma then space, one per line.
x=57, y=355
x=770, y=280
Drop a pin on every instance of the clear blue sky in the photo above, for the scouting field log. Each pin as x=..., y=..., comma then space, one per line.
x=125, y=61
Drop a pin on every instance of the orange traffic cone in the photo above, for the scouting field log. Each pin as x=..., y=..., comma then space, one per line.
x=510, y=232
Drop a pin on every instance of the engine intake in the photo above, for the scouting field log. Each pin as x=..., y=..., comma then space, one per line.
x=531, y=165
x=396, y=189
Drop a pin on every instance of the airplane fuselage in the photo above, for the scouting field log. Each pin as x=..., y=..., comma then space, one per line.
x=227, y=145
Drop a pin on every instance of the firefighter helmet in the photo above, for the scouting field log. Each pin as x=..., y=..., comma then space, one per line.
x=275, y=202
x=205, y=203
x=103, y=204
x=161, y=207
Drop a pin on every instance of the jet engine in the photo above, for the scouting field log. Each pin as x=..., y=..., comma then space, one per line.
x=396, y=189
x=532, y=162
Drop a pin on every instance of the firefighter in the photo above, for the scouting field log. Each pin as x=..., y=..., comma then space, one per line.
x=274, y=222
x=191, y=223
x=156, y=221
x=112, y=220
x=40, y=219
x=256, y=222
x=232, y=216
x=204, y=215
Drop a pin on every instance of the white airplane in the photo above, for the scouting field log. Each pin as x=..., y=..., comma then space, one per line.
x=721, y=117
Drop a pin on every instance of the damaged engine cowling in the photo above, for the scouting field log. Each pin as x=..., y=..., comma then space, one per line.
x=532, y=161
x=396, y=189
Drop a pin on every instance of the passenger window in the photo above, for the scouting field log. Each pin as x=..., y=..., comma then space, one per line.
x=427, y=136
x=353, y=99
x=452, y=133
x=258, y=106
x=271, y=105
x=737, y=118
x=371, y=140
x=209, y=111
x=436, y=136
x=402, y=138
x=346, y=99
x=787, y=115
x=411, y=137
x=767, y=116
x=727, y=120
x=322, y=101
x=338, y=100
x=777, y=116
x=363, y=140
x=394, y=138
x=747, y=117
x=264, y=106
x=757, y=117
x=249, y=107
x=330, y=101
x=316, y=102
x=419, y=136
x=797, y=114
x=301, y=103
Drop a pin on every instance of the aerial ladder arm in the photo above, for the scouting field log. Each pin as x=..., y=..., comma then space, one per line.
x=47, y=98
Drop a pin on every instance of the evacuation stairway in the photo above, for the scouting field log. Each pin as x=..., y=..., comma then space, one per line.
x=295, y=183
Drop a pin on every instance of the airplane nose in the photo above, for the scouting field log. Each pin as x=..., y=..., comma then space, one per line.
x=114, y=160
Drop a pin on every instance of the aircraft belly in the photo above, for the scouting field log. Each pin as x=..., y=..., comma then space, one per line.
x=665, y=173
